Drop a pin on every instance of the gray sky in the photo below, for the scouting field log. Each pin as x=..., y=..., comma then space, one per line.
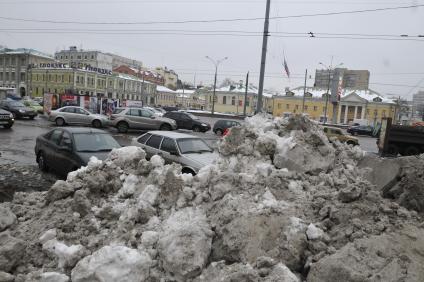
x=390, y=62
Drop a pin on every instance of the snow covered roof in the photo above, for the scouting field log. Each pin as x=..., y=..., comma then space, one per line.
x=26, y=51
x=161, y=88
x=130, y=77
x=185, y=91
x=368, y=95
x=242, y=89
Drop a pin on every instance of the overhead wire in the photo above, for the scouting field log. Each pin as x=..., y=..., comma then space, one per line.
x=213, y=20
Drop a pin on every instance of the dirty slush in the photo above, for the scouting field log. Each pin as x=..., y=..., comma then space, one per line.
x=281, y=203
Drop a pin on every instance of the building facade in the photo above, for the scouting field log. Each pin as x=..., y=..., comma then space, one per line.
x=165, y=97
x=170, y=77
x=72, y=81
x=354, y=104
x=94, y=58
x=418, y=105
x=354, y=79
x=16, y=66
x=231, y=99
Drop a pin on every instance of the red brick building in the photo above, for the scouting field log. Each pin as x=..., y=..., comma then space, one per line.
x=149, y=76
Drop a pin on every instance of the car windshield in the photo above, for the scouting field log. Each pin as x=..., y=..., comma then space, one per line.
x=17, y=104
x=94, y=142
x=192, y=116
x=193, y=145
x=118, y=111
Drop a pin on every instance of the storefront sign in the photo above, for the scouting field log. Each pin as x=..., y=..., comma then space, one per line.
x=98, y=70
x=53, y=65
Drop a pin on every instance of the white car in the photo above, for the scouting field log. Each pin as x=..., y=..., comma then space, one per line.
x=77, y=115
x=190, y=151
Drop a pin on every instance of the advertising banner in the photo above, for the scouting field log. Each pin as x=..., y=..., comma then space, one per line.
x=50, y=102
x=107, y=106
x=131, y=103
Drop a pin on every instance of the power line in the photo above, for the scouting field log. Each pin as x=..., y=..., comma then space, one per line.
x=213, y=20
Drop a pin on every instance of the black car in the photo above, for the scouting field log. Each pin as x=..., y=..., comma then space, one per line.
x=67, y=149
x=361, y=130
x=17, y=109
x=188, y=121
x=169, y=109
x=6, y=119
x=221, y=125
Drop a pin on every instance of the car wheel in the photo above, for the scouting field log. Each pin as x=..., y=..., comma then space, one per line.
x=393, y=150
x=122, y=127
x=218, y=132
x=8, y=126
x=411, y=151
x=31, y=117
x=355, y=133
x=165, y=127
x=60, y=122
x=351, y=143
x=41, y=160
x=196, y=129
x=188, y=171
x=96, y=123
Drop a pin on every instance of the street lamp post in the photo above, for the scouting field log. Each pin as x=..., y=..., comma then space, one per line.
x=216, y=64
x=329, y=68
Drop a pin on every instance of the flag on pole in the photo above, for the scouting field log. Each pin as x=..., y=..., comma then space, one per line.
x=286, y=67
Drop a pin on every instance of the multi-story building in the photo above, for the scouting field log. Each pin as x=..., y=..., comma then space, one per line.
x=189, y=99
x=418, y=105
x=94, y=58
x=165, y=96
x=16, y=65
x=354, y=104
x=170, y=76
x=354, y=79
x=145, y=75
x=60, y=79
x=231, y=99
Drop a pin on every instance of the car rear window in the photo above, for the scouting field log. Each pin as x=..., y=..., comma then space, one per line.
x=55, y=136
x=144, y=138
x=154, y=141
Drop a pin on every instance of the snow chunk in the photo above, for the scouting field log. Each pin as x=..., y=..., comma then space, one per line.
x=48, y=235
x=7, y=218
x=67, y=256
x=126, y=156
x=157, y=161
x=53, y=277
x=128, y=188
x=111, y=264
x=314, y=232
x=185, y=243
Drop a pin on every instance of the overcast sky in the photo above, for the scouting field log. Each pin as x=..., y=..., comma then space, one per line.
x=389, y=61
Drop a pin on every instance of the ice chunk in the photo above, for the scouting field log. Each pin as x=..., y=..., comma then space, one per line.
x=314, y=232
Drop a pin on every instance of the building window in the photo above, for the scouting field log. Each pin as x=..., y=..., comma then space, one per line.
x=305, y=108
x=92, y=57
x=22, y=61
x=297, y=107
x=233, y=100
x=6, y=76
x=287, y=106
x=61, y=57
x=85, y=57
x=63, y=78
x=22, y=76
x=6, y=61
x=13, y=61
x=72, y=57
x=1, y=61
x=224, y=100
x=66, y=57
x=1, y=76
x=12, y=76
x=55, y=77
x=384, y=113
x=279, y=106
x=79, y=57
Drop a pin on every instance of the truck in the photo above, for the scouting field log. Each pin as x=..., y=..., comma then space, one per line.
x=401, y=140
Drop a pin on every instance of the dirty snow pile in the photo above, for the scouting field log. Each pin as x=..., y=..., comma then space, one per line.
x=281, y=203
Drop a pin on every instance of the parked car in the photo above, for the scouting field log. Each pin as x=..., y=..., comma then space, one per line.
x=188, y=121
x=77, y=115
x=139, y=118
x=190, y=151
x=39, y=100
x=67, y=149
x=361, y=130
x=334, y=132
x=169, y=109
x=221, y=125
x=17, y=109
x=34, y=105
x=155, y=111
x=161, y=110
x=6, y=119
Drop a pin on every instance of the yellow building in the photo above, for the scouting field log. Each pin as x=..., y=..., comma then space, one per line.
x=165, y=97
x=354, y=104
x=231, y=100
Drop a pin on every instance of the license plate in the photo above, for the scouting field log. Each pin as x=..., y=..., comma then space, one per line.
x=3, y=122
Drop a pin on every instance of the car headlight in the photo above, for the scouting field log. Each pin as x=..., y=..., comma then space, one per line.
x=10, y=115
x=204, y=124
x=22, y=111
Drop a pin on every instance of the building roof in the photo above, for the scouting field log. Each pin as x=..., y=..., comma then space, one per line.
x=25, y=51
x=185, y=91
x=241, y=89
x=368, y=95
x=161, y=88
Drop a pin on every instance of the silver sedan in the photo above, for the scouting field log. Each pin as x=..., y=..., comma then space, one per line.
x=190, y=151
x=77, y=115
